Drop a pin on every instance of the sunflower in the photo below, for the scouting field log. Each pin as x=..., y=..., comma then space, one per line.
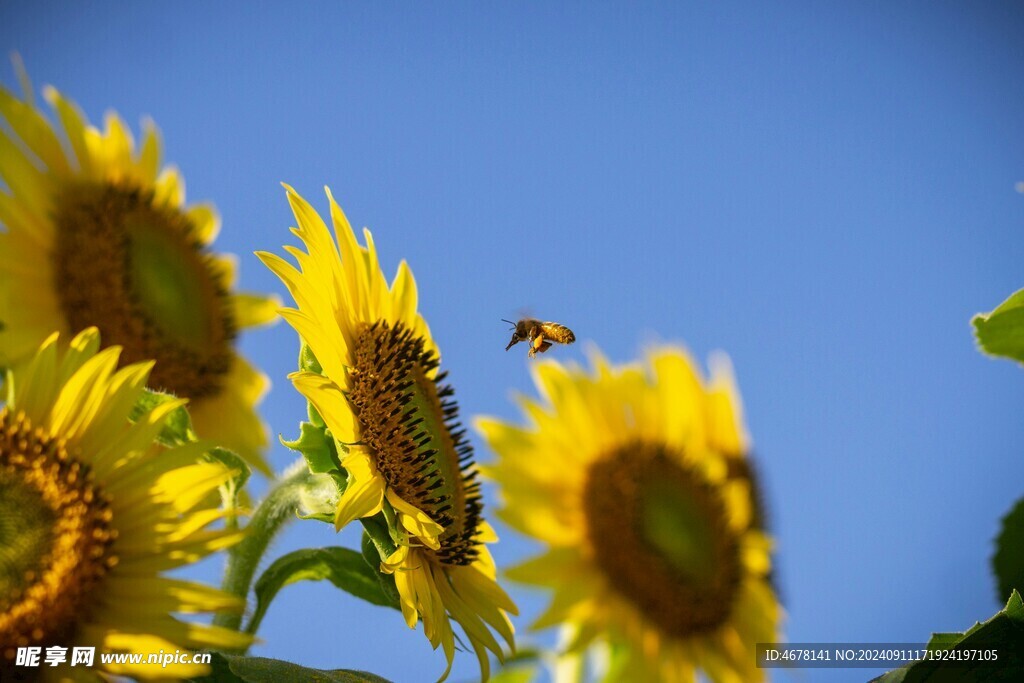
x=382, y=398
x=639, y=485
x=93, y=233
x=92, y=514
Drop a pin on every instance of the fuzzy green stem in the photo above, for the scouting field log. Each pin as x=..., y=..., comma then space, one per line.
x=271, y=515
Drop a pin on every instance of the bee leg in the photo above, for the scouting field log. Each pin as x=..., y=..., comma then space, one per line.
x=538, y=344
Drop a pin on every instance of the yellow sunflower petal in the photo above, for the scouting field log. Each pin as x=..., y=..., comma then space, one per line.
x=145, y=516
x=205, y=222
x=364, y=496
x=416, y=522
x=169, y=188
x=725, y=412
x=80, y=398
x=566, y=601
x=118, y=145
x=230, y=418
x=149, y=154
x=404, y=297
x=253, y=310
x=646, y=465
x=324, y=345
x=680, y=396
x=352, y=258
x=36, y=388
x=70, y=173
x=74, y=127
x=35, y=131
x=397, y=564
x=379, y=392
x=330, y=402
x=24, y=179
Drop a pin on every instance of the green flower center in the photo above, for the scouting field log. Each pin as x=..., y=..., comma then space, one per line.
x=137, y=272
x=409, y=421
x=56, y=540
x=659, y=531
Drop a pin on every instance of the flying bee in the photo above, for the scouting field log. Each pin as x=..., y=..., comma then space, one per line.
x=541, y=335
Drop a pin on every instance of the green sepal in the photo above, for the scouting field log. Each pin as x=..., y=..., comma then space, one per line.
x=234, y=489
x=395, y=530
x=177, y=430
x=320, y=451
x=177, y=427
x=1003, y=633
x=308, y=361
x=241, y=669
x=343, y=567
x=317, y=517
x=380, y=535
x=1008, y=561
x=314, y=416
x=1001, y=332
x=317, y=447
x=372, y=557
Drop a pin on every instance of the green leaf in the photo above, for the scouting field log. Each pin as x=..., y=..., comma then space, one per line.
x=239, y=669
x=1001, y=332
x=177, y=428
x=1008, y=562
x=894, y=676
x=1003, y=633
x=220, y=671
x=343, y=567
x=944, y=641
x=317, y=447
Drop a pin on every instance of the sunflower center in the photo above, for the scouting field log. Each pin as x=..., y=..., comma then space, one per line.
x=409, y=421
x=660, y=533
x=56, y=540
x=136, y=271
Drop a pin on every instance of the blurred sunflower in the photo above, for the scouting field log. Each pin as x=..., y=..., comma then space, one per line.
x=101, y=236
x=382, y=398
x=92, y=514
x=640, y=487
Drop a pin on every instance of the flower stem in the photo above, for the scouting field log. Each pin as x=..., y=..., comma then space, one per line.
x=271, y=515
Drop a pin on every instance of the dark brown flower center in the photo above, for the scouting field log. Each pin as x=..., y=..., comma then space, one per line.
x=659, y=531
x=56, y=540
x=409, y=421
x=137, y=272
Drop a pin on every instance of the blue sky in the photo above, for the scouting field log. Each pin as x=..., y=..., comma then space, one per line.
x=825, y=192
